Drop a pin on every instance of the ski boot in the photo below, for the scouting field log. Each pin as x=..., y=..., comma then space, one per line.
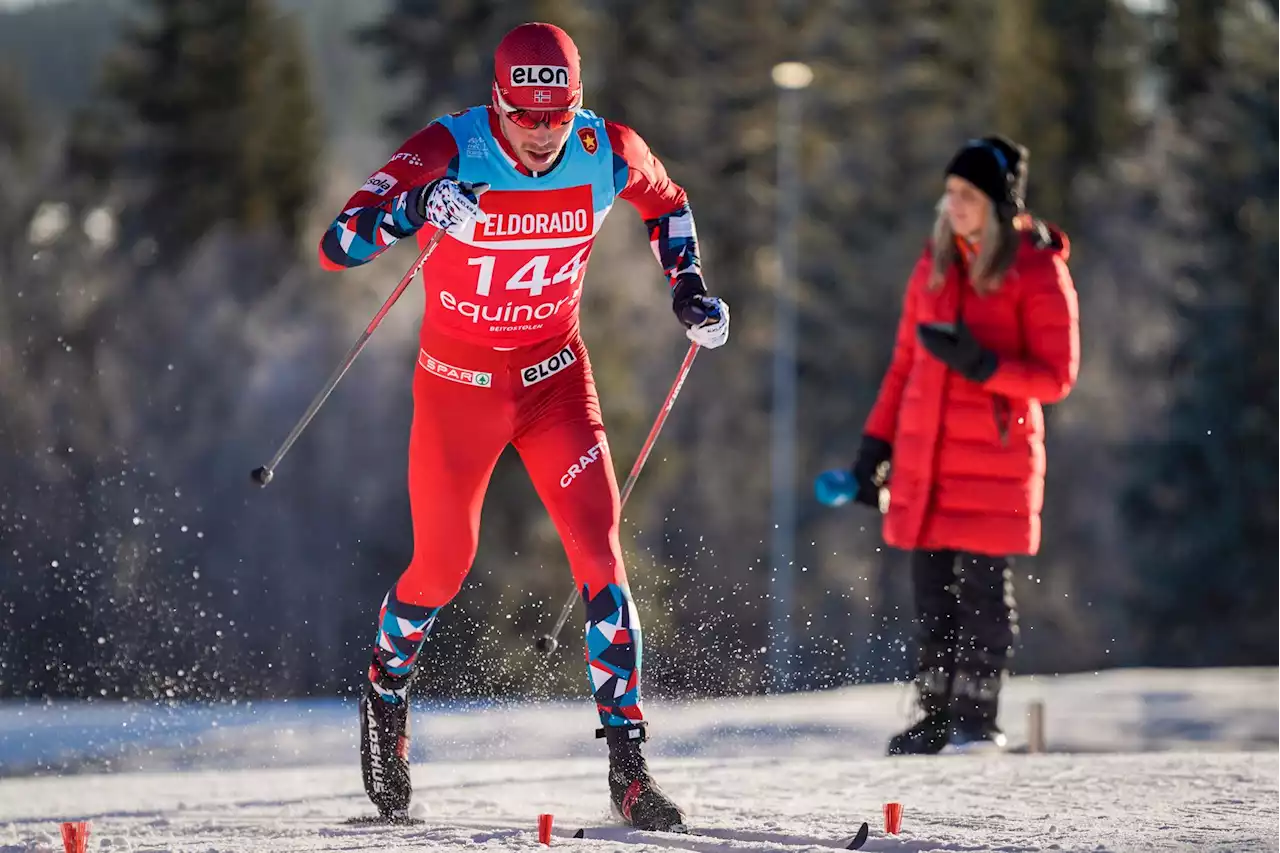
x=384, y=744
x=636, y=797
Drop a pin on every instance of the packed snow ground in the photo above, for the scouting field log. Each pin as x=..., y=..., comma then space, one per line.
x=1140, y=760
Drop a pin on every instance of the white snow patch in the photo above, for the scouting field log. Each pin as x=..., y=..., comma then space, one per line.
x=1144, y=760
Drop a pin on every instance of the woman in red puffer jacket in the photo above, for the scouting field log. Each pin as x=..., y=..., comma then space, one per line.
x=956, y=438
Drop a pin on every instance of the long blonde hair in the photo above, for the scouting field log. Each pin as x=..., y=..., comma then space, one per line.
x=997, y=246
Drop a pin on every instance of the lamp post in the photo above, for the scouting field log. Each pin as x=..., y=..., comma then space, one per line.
x=791, y=78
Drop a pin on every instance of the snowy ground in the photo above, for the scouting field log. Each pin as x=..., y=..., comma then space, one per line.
x=1139, y=760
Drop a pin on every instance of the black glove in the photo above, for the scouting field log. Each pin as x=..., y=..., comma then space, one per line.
x=873, y=453
x=690, y=302
x=957, y=348
x=697, y=310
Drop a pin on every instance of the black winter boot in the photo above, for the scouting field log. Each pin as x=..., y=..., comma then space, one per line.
x=975, y=704
x=384, y=744
x=931, y=733
x=635, y=795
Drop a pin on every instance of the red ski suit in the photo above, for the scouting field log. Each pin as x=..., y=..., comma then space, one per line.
x=496, y=369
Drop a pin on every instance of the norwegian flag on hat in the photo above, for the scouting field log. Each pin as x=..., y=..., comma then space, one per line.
x=536, y=68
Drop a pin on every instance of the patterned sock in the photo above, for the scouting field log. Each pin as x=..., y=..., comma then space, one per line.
x=402, y=629
x=614, y=652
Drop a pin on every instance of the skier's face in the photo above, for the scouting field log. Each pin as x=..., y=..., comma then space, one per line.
x=538, y=148
x=966, y=207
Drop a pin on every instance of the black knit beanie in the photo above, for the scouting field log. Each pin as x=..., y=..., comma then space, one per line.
x=998, y=167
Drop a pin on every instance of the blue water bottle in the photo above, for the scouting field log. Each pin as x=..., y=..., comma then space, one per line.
x=835, y=487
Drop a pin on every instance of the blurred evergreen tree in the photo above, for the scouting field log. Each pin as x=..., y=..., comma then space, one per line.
x=1202, y=503
x=1060, y=86
x=1192, y=52
x=217, y=122
x=17, y=131
x=441, y=51
x=159, y=229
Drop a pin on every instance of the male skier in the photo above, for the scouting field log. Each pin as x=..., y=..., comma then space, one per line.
x=501, y=361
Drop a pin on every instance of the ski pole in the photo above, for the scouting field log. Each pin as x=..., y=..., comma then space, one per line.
x=547, y=643
x=262, y=476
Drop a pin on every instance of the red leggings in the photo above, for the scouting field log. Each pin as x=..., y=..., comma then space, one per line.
x=469, y=403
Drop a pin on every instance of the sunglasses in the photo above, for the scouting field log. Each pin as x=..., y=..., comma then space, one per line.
x=532, y=119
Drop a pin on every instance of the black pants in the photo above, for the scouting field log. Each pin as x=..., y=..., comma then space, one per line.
x=966, y=624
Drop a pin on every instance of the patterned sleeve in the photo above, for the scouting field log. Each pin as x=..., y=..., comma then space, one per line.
x=640, y=178
x=385, y=209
